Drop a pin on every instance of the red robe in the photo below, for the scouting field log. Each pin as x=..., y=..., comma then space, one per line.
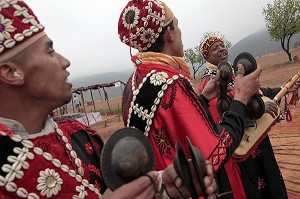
x=259, y=175
x=170, y=111
x=45, y=166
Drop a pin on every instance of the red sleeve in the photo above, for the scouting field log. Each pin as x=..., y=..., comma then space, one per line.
x=187, y=117
x=203, y=83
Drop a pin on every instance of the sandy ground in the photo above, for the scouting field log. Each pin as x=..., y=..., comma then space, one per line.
x=285, y=137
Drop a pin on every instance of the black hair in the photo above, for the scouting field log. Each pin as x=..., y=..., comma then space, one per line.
x=158, y=45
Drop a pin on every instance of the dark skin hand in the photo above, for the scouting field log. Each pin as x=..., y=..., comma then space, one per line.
x=271, y=108
x=169, y=175
x=140, y=188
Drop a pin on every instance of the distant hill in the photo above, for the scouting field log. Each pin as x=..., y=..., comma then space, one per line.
x=101, y=78
x=259, y=44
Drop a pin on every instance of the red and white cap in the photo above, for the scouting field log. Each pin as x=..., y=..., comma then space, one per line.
x=19, y=28
x=141, y=22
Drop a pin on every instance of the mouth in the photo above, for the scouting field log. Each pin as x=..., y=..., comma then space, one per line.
x=67, y=80
x=223, y=55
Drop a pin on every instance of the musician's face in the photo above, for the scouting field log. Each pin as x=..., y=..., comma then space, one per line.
x=217, y=53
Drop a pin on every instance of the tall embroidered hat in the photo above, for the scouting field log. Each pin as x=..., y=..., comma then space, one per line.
x=141, y=22
x=19, y=28
x=206, y=44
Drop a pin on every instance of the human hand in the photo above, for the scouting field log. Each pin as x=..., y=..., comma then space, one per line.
x=271, y=108
x=212, y=89
x=171, y=181
x=246, y=86
x=140, y=188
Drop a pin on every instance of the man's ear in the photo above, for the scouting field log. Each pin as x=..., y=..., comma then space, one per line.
x=11, y=74
x=169, y=35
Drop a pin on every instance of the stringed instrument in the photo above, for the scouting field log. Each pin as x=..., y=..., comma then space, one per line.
x=254, y=135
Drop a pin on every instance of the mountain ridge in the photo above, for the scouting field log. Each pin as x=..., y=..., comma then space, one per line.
x=258, y=44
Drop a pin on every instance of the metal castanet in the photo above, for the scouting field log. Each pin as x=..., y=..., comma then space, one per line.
x=223, y=102
x=184, y=170
x=255, y=105
x=126, y=155
x=254, y=135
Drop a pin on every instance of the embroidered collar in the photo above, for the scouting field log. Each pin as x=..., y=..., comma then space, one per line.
x=210, y=66
x=160, y=58
x=211, y=70
x=19, y=129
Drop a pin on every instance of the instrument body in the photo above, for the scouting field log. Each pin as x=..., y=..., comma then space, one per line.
x=254, y=135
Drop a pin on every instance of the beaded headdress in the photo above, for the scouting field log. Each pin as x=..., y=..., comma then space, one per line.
x=19, y=28
x=206, y=44
x=141, y=22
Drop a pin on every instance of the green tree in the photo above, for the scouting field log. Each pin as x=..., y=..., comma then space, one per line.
x=193, y=56
x=283, y=21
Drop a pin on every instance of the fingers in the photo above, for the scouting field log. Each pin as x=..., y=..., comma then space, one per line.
x=139, y=188
x=246, y=86
x=212, y=196
x=209, y=180
x=256, y=73
x=217, y=75
x=209, y=168
x=211, y=191
x=241, y=71
x=169, y=175
x=271, y=108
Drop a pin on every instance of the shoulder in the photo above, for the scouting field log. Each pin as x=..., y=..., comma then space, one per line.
x=72, y=125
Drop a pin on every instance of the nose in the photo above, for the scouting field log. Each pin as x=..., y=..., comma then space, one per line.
x=65, y=62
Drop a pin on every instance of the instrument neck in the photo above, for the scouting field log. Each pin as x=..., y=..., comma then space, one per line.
x=284, y=90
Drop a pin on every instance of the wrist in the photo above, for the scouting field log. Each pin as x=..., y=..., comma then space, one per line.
x=204, y=98
x=241, y=98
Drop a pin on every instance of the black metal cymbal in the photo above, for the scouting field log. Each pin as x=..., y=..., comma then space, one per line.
x=225, y=71
x=223, y=104
x=248, y=62
x=126, y=155
x=256, y=107
x=183, y=170
x=199, y=163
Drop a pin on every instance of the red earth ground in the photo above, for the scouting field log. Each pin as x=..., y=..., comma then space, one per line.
x=285, y=137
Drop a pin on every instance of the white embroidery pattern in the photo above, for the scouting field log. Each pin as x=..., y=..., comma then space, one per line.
x=145, y=35
x=158, y=78
x=6, y=26
x=19, y=161
x=136, y=16
x=138, y=110
x=49, y=183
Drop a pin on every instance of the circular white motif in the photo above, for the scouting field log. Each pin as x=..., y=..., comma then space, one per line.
x=49, y=183
x=148, y=36
x=136, y=16
x=158, y=78
x=5, y=28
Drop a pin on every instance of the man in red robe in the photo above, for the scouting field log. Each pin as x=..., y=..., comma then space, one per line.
x=259, y=174
x=159, y=98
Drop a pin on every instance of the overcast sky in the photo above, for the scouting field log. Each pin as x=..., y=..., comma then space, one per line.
x=85, y=31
